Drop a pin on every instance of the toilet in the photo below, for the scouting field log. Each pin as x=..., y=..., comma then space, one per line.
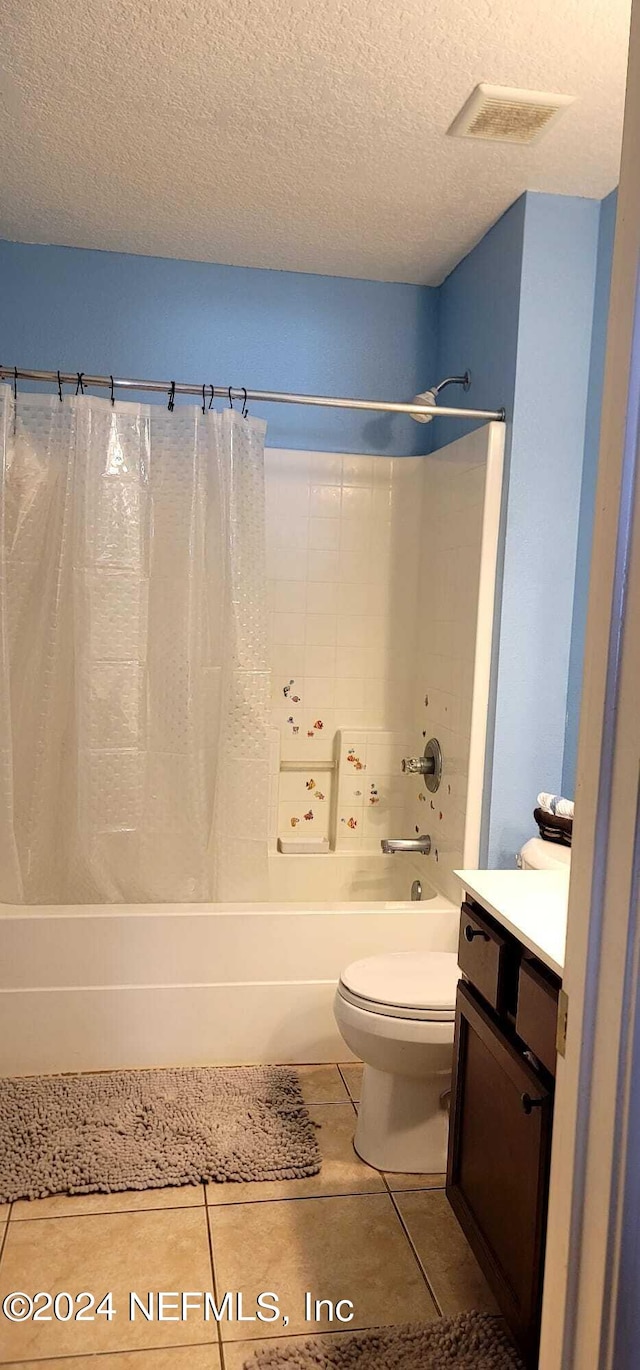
x=396, y=1012
x=538, y=855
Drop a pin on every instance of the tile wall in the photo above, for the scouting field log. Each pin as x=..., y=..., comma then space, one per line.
x=443, y=683
x=343, y=550
x=374, y=570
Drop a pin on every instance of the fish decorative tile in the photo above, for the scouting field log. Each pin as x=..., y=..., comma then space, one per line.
x=374, y=797
x=310, y=784
x=308, y=817
x=318, y=794
x=355, y=761
x=294, y=822
x=350, y=822
x=286, y=690
x=318, y=725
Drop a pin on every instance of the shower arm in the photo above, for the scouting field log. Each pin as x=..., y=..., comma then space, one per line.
x=238, y=393
x=464, y=381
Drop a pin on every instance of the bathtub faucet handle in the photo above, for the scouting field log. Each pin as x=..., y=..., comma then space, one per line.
x=429, y=764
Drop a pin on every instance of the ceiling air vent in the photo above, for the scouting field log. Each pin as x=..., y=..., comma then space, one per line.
x=503, y=115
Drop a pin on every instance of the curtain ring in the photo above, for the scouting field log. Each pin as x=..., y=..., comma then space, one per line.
x=80, y=383
x=113, y=400
x=203, y=401
x=230, y=399
x=245, y=411
x=59, y=388
x=211, y=400
x=172, y=397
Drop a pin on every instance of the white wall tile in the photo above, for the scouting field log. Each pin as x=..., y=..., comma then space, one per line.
x=356, y=502
x=322, y=566
x=320, y=661
x=324, y=501
x=324, y=533
x=290, y=596
x=321, y=630
x=322, y=598
x=288, y=629
x=373, y=566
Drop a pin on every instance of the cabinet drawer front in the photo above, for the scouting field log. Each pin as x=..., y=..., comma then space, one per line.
x=482, y=956
x=537, y=1014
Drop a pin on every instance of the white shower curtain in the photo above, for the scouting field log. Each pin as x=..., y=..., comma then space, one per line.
x=133, y=657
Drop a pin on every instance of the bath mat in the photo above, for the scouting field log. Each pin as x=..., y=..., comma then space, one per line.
x=471, y=1341
x=144, y=1129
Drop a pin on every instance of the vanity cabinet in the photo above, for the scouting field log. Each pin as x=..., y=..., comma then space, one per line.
x=501, y=1115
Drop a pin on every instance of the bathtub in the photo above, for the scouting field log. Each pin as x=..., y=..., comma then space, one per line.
x=94, y=987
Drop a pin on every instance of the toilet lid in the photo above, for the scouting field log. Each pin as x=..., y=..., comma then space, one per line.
x=404, y=984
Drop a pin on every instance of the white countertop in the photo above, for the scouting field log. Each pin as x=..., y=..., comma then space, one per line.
x=530, y=904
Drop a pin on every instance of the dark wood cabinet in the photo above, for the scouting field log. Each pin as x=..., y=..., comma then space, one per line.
x=501, y=1118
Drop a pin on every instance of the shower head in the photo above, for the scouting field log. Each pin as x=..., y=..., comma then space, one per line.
x=430, y=397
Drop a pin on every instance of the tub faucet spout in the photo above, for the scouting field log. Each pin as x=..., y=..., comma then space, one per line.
x=411, y=844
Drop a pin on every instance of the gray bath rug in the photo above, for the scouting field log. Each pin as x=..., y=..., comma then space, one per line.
x=472, y=1341
x=144, y=1129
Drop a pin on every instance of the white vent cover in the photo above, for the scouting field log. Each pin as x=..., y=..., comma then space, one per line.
x=505, y=115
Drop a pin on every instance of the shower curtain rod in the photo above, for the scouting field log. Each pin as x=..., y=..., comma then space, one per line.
x=221, y=392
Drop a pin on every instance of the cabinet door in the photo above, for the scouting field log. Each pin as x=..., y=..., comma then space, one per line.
x=498, y=1171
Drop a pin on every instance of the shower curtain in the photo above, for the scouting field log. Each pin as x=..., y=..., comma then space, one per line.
x=133, y=655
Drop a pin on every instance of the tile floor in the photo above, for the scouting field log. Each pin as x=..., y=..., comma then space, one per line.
x=388, y=1243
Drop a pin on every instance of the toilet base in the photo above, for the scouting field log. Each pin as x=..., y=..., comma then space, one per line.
x=403, y=1122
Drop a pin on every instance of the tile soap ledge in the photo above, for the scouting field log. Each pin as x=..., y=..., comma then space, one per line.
x=532, y=905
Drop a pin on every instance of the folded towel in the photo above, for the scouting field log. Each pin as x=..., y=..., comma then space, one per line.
x=554, y=803
x=553, y=828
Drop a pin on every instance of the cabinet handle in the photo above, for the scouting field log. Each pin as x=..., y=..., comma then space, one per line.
x=529, y=1104
x=470, y=933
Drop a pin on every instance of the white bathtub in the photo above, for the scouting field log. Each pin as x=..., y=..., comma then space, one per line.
x=91, y=987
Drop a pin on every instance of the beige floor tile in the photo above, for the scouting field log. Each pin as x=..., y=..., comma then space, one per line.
x=352, y=1075
x=453, y=1272
x=118, y=1252
x=342, y=1172
x=336, y=1248
x=237, y=1353
x=322, y=1084
x=399, y=1182
x=170, y=1358
x=130, y=1201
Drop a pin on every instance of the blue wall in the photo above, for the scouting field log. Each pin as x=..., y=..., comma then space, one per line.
x=519, y=308
x=156, y=318
x=588, y=495
x=478, y=321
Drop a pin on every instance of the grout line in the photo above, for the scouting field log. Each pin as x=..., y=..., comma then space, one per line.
x=416, y=1189
x=5, y=1234
x=108, y=1212
x=130, y=1351
x=353, y=1101
x=411, y=1242
x=304, y=1198
x=345, y=1331
x=213, y=1277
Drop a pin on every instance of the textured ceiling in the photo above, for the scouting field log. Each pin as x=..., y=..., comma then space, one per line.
x=308, y=135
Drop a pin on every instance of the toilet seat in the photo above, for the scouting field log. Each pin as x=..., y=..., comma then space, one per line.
x=407, y=984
